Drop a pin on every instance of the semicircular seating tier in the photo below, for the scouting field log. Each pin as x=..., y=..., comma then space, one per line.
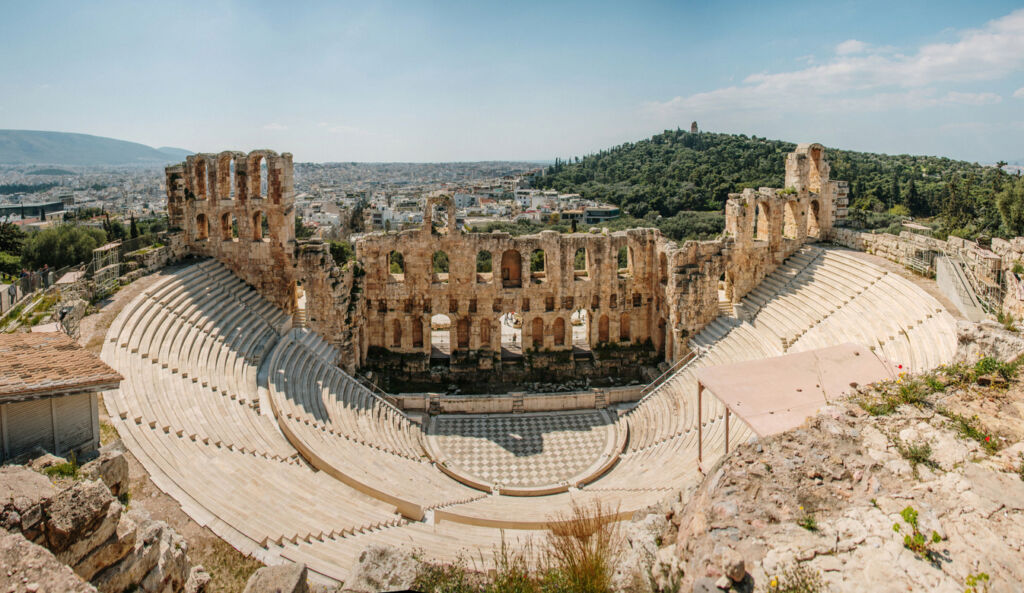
x=252, y=427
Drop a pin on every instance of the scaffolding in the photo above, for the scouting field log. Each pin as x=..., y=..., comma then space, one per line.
x=106, y=265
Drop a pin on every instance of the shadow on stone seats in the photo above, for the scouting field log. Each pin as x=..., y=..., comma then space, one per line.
x=520, y=436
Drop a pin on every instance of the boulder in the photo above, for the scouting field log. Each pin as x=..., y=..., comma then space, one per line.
x=111, y=467
x=641, y=540
x=732, y=563
x=284, y=578
x=987, y=338
x=28, y=567
x=198, y=579
x=75, y=513
x=156, y=563
x=382, y=568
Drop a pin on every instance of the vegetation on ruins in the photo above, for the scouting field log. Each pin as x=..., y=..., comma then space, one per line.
x=670, y=178
x=915, y=541
x=579, y=556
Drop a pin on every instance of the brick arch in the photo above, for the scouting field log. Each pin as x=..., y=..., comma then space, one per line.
x=602, y=329
x=511, y=269
x=202, y=227
x=537, y=333
x=558, y=331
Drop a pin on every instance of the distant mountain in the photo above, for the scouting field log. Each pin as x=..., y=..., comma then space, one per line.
x=25, y=147
x=177, y=153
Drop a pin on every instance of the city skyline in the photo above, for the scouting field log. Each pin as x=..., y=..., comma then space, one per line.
x=472, y=82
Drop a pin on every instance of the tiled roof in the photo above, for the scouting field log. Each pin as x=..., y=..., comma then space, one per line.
x=36, y=364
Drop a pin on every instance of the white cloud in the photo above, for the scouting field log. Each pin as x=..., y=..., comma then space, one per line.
x=275, y=127
x=972, y=98
x=874, y=80
x=1019, y=93
x=851, y=46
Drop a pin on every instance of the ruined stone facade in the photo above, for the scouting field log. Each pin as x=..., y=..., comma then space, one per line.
x=638, y=295
x=240, y=209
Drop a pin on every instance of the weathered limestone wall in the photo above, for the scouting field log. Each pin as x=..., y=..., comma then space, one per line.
x=993, y=268
x=334, y=307
x=512, y=402
x=637, y=314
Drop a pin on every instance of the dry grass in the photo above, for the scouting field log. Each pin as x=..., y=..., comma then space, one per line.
x=583, y=548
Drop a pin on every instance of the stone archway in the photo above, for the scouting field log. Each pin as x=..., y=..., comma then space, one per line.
x=511, y=269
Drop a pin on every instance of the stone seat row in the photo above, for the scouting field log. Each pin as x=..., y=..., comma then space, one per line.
x=314, y=389
x=182, y=403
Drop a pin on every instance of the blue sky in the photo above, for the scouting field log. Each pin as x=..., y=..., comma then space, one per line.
x=431, y=81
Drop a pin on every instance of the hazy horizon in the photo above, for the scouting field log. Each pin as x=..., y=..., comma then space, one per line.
x=454, y=82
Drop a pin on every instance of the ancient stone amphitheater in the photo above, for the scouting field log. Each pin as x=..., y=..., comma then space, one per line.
x=240, y=400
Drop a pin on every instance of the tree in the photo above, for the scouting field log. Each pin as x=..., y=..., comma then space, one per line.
x=61, y=245
x=134, y=228
x=11, y=238
x=1010, y=202
x=912, y=200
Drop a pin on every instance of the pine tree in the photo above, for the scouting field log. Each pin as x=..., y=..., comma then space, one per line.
x=134, y=228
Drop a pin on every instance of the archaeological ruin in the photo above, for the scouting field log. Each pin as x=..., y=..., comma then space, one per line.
x=252, y=359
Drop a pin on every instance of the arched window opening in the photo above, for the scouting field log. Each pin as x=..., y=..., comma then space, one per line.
x=511, y=325
x=625, y=261
x=260, y=175
x=814, y=175
x=613, y=300
x=663, y=268
x=659, y=342
x=439, y=266
x=814, y=220
x=440, y=336
x=226, y=226
x=396, y=266
x=259, y=226
x=791, y=223
x=580, y=265
x=200, y=178
x=485, y=334
x=440, y=218
x=232, y=182
x=558, y=332
x=762, y=222
x=202, y=227
x=580, y=322
x=624, y=329
x=396, y=333
x=462, y=332
x=511, y=269
x=484, y=268
x=602, y=330
x=537, y=266
x=417, y=333
x=537, y=333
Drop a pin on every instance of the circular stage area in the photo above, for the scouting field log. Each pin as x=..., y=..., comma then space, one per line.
x=525, y=454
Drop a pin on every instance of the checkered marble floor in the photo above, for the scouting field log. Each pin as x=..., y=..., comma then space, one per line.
x=524, y=450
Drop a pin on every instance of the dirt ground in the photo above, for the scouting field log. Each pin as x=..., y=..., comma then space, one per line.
x=228, y=568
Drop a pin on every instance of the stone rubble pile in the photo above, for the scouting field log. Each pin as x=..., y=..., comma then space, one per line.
x=81, y=538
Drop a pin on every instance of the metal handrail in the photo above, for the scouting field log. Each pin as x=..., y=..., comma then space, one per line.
x=689, y=359
x=981, y=297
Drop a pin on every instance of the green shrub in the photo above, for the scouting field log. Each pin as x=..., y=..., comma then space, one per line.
x=915, y=541
x=67, y=469
x=970, y=428
x=444, y=578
